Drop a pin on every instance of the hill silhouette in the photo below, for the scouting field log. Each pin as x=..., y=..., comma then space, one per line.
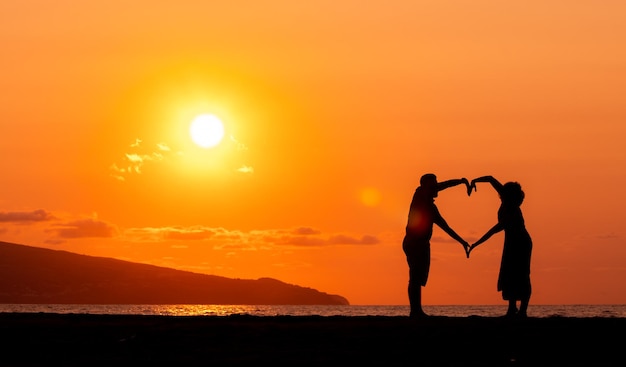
x=37, y=275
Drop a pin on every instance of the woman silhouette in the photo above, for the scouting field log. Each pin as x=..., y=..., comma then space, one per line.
x=514, y=276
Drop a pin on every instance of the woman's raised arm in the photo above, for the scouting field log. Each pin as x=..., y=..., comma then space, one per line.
x=492, y=180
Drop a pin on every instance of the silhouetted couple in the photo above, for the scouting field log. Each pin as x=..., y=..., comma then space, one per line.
x=514, y=276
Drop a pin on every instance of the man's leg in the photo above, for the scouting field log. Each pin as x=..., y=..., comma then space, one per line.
x=418, y=258
x=415, y=299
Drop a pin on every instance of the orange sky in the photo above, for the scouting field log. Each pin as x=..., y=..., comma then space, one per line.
x=332, y=112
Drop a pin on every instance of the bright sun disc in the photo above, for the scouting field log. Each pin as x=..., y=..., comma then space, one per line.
x=206, y=130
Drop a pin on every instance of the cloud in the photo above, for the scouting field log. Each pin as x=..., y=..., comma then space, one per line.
x=134, y=161
x=300, y=241
x=145, y=234
x=318, y=240
x=221, y=238
x=192, y=233
x=83, y=228
x=238, y=144
x=245, y=169
x=163, y=147
x=140, y=155
x=608, y=236
x=348, y=240
x=39, y=215
x=306, y=231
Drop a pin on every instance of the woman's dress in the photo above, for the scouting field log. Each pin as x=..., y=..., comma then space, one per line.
x=514, y=276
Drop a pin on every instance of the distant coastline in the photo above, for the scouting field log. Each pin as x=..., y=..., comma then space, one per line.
x=33, y=275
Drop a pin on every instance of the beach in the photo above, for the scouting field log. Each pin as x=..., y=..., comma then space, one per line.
x=44, y=339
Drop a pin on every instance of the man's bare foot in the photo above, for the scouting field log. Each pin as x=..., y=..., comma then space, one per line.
x=418, y=314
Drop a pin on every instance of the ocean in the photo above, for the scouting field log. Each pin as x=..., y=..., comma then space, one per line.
x=605, y=311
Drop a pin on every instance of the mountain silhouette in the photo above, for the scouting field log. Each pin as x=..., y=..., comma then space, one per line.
x=43, y=276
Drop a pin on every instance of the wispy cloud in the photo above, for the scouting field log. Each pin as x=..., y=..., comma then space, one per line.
x=164, y=148
x=26, y=217
x=83, y=228
x=299, y=238
x=245, y=169
x=306, y=231
x=341, y=239
x=63, y=227
x=608, y=236
x=134, y=161
x=222, y=238
x=140, y=155
x=191, y=233
x=136, y=143
x=239, y=145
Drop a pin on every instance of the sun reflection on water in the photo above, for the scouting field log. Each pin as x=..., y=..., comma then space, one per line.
x=203, y=310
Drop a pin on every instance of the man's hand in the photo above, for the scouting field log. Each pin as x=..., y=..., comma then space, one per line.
x=466, y=247
x=471, y=186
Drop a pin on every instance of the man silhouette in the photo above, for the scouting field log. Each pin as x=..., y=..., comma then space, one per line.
x=423, y=214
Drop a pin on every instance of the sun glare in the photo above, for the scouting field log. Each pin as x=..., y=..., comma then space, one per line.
x=206, y=130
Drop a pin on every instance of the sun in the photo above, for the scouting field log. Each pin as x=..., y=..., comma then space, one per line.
x=206, y=130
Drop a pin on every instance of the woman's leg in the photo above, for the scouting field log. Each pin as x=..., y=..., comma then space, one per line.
x=512, y=308
x=523, y=307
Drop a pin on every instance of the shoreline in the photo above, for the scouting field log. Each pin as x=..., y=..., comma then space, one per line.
x=35, y=339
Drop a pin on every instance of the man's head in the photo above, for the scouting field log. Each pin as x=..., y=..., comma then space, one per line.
x=428, y=182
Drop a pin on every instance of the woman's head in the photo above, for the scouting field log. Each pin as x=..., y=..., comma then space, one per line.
x=512, y=193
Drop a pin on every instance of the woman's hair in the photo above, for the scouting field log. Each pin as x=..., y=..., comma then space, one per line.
x=512, y=193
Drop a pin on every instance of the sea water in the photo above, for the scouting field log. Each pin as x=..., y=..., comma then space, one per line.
x=607, y=311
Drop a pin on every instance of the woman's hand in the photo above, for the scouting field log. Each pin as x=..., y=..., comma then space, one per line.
x=470, y=187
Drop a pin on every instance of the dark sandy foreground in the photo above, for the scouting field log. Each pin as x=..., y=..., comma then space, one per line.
x=113, y=340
